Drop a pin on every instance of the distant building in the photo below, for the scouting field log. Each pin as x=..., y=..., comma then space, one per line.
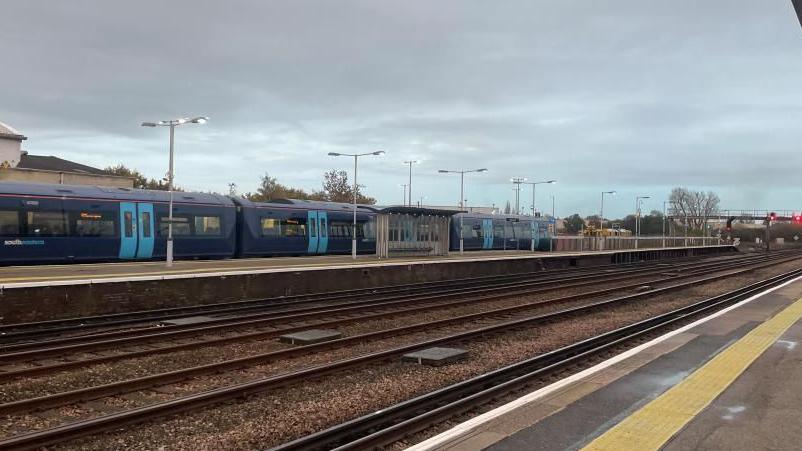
x=18, y=165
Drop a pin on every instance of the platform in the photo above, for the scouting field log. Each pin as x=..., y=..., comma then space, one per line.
x=730, y=381
x=45, y=292
x=78, y=273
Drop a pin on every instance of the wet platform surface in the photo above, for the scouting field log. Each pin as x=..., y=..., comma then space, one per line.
x=697, y=389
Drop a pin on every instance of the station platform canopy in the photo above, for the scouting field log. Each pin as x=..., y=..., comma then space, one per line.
x=405, y=230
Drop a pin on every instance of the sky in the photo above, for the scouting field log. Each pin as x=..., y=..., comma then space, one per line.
x=636, y=96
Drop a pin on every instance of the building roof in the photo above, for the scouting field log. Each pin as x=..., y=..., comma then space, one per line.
x=8, y=132
x=51, y=163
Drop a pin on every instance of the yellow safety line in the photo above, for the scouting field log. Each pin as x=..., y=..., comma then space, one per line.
x=655, y=423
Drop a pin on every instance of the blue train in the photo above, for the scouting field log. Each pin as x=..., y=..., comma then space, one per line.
x=50, y=223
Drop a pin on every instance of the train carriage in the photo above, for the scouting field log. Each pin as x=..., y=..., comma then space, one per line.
x=497, y=232
x=301, y=227
x=49, y=223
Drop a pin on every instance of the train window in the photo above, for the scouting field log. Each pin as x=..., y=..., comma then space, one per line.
x=498, y=231
x=94, y=224
x=207, y=225
x=293, y=227
x=508, y=230
x=9, y=223
x=339, y=229
x=128, y=225
x=313, y=229
x=323, y=228
x=468, y=231
x=271, y=227
x=180, y=226
x=146, y=224
x=46, y=223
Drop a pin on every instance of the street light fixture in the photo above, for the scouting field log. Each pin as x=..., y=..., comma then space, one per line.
x=551, y=182
x=172, y=123
x=601, y=219
x=356, y=157
x=410, y=163
x=638, y=200
x=461, y=196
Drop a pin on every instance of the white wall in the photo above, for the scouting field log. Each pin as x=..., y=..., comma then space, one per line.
x=10, y=151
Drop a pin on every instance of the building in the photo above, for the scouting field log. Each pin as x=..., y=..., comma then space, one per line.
x=18, y=165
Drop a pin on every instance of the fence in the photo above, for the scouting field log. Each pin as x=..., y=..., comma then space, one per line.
x=612, y=243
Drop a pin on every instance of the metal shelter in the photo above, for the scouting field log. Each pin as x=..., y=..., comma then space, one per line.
x=403, y=230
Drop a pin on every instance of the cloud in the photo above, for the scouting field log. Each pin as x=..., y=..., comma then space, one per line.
x=637, y=96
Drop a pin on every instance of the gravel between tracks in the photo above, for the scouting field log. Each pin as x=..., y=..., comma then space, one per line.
x=287, y=413
x=138, y=367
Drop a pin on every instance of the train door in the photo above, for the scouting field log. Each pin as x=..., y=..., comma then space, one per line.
x=322, y=232
x=128, y=233
x=311, y=232
x=487, y=233
x=145, y=231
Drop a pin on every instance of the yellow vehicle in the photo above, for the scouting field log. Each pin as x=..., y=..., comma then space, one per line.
x=595, y=231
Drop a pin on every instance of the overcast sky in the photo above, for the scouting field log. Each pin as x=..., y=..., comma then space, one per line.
x=636, y=96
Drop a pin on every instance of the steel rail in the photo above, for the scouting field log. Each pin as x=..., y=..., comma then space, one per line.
x=326, y=309
x=112, y=421
x=398, y=421
x=32, y=351
x=32, y=329
x=114, y=388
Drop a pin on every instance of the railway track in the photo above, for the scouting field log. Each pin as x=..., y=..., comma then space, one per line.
x=403, y=419
x=20, y=331
x=302, y=319
x=114, y=420
x=11, y=333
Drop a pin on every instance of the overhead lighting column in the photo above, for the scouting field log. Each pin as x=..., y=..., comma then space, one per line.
x=410, y=163
x=356, y=158
x=534, y=192
x=461, y=197
x=173, y=123
x=601, y=219
x=517, y=181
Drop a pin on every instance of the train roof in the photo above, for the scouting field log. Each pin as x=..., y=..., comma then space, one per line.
x=307, y=205
x=110, y=192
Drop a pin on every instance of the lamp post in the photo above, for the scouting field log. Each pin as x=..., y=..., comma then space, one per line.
x=410, y=163
x=638, y=200
x=534, y=184
x=173, y=123
x=356, y=158
x=461, y=196
x=517, y=182
x=601, y=219
x=664, y=221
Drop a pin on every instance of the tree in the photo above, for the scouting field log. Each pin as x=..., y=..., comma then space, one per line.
x=336, y=188
x=140, y=180
x=574, y=223
x=269, y=189
x=696, y=205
